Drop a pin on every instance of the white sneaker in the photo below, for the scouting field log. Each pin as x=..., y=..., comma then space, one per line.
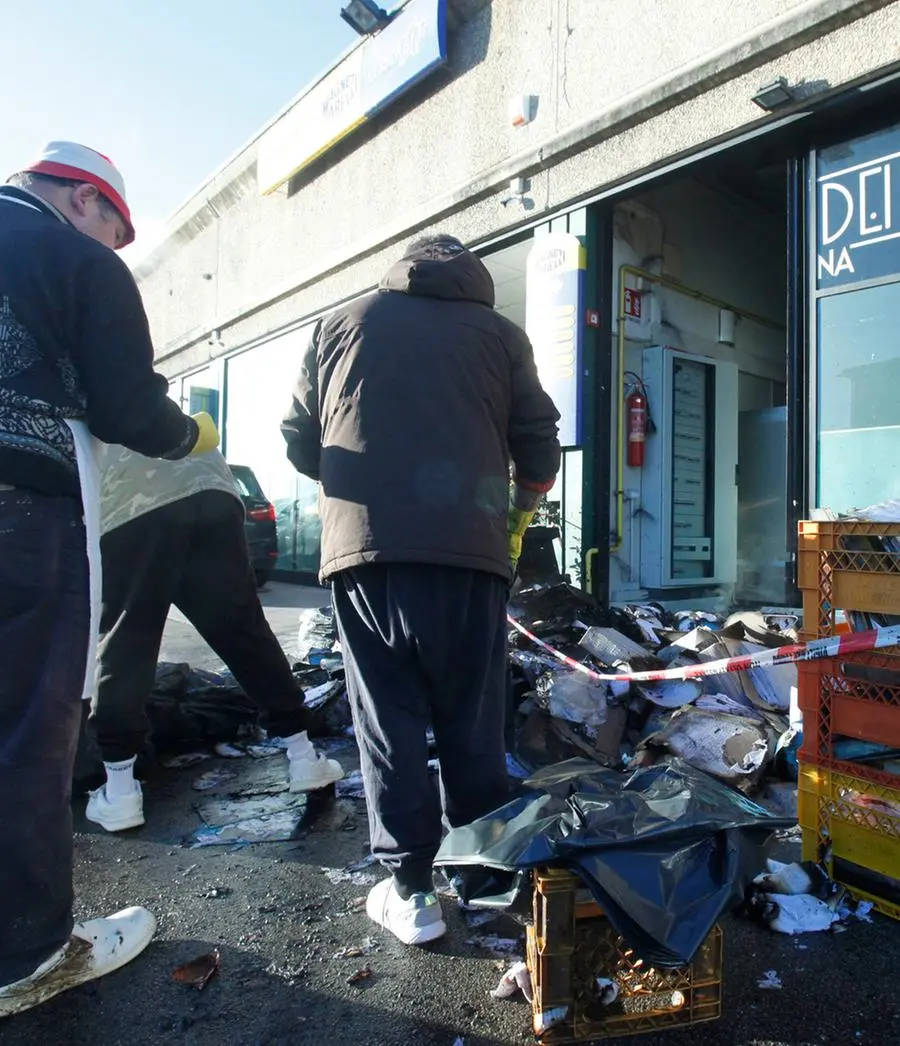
x=96, y=947
x=118, y=813
x=313, y=770
x=415, y=921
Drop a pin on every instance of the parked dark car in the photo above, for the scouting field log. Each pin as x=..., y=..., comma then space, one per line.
x=259, y=523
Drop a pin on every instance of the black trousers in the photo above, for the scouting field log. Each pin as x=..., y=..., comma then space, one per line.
x=193, y=554
x=44, y=627
x=424, y=645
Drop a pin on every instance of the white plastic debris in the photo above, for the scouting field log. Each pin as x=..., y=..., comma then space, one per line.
x=770, y=979
x=782, y=878
x=229, y=751
x=547, y=1019
x=516, y=978
x=212, y=779
x=341, y=875
x=864, y=911
x=178, y=762
x=607, y=991
x=496, y=945
x=799, y=913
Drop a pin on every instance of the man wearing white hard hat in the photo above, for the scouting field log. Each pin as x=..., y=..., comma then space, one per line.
x=76, y=364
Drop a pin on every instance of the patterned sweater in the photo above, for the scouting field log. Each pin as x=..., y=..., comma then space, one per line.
x=74, y=343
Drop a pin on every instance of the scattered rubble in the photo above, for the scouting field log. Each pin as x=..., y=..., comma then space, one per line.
x=252, y=819
x=344, y=875
x=212, y=779
x=500, y=946
x=733, y=726
x=198, y=972
x=368, y=946
x=364, y=974
x=517, y=978
x=801, y=898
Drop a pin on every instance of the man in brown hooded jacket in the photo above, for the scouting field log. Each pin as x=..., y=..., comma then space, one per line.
x=412, y=404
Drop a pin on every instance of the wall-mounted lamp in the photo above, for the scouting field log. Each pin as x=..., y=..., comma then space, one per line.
x=517, y=189
x=775, y=95
x=365, y=16
x=726, y=327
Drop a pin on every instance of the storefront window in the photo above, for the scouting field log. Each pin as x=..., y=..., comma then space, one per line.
x=201, y=391
x=259, y=384
x=859, y=404
x=857, y=317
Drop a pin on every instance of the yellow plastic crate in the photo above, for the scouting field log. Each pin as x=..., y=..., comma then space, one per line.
x=571, y=943
x=856, y=821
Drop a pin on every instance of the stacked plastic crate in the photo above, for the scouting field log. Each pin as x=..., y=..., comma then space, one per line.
x=850, y=810
x=571, y=944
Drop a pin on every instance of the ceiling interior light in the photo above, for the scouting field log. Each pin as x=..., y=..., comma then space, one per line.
x=365, y=16
x=775, y=95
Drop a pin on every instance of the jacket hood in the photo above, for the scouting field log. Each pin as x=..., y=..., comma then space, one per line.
x=441, y=270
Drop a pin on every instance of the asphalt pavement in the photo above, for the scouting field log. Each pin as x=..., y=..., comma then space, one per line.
x=281, y=927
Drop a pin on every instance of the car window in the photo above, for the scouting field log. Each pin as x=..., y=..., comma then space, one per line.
x=246, y=482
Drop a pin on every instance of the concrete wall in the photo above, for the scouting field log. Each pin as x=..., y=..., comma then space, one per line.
x=621, y=86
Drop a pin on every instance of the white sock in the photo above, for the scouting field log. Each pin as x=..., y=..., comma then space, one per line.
x=299, y=746
x=120, y=778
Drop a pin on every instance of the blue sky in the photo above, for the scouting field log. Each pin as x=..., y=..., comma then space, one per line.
x=168, y=89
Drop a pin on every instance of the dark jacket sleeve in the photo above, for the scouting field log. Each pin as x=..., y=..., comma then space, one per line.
x=127, y=401
x=302, y=427
x=532, y=434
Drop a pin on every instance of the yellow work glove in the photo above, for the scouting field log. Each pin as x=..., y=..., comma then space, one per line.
x=208, y=434
x=517, y=523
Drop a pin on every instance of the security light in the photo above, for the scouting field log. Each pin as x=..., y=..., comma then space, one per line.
x=365, y=16
x=775, y=95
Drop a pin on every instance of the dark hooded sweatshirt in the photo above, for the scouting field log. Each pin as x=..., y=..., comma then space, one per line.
x=74, y=344
x=410, y=406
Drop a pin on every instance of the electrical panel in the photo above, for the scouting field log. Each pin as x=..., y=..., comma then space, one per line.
x=689, y=478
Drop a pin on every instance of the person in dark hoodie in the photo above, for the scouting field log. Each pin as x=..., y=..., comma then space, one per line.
x=76, y=362
x=412, y=405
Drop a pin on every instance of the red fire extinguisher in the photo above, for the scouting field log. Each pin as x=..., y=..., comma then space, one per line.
x=637, y=413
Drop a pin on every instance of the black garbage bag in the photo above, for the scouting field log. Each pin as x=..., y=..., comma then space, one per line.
x=188, y=706
x=328, y=708
x=665, y=849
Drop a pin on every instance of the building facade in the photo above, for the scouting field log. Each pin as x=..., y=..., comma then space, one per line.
x=694, y=210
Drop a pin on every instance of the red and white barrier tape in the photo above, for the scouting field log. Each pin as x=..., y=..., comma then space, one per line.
x=834, y=646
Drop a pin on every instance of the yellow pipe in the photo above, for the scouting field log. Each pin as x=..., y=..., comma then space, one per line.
x=680, y=288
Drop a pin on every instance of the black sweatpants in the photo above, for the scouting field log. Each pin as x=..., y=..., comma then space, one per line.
x=44, y=628
x=424, y=645
x=193, y=554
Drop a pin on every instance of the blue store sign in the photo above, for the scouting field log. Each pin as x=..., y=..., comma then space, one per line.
x=367, y=80
x=554, y=298
x=858, y=210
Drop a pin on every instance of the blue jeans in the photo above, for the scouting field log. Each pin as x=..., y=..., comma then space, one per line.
x=44, y=628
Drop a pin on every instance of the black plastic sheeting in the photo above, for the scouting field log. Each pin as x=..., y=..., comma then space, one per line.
x=665, y=850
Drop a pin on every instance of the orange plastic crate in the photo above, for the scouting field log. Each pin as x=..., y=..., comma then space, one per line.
x=833, y=577
x=571, y=943
x=834, y=703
